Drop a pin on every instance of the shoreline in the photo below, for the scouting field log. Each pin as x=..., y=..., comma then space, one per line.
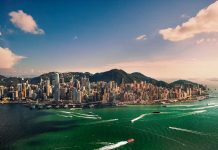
x=65, y=105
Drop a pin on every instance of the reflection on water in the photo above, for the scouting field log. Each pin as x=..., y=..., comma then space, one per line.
x=177, y=126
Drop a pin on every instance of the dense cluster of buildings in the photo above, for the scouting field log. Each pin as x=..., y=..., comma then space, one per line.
x=82, y=91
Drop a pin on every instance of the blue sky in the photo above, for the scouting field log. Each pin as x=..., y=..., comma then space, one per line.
x=97, y=35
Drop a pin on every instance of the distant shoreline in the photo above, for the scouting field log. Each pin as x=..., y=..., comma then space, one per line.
x=100, y=105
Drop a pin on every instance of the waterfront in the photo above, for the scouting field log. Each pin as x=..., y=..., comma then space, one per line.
x=178, y=126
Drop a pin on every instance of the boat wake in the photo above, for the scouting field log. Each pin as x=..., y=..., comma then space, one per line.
x=66, y=116
x=180, y=105
x=192, y=113
x=99, y=122
x=186, y=130
x=139, y=117
x=86, y=117
x=113, y=146
x=65, y=112
x=79, y=115
x=206, y=107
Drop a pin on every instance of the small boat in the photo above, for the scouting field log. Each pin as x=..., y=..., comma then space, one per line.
x=49, y=106
x=66, y=106
x=164, y=106
x=57, y=106
x=155, y=112
x=130, y=140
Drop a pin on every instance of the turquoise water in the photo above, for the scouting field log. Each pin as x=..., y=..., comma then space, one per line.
x=179, y=126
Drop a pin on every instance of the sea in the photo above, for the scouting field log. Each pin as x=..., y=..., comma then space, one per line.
x=189, y=126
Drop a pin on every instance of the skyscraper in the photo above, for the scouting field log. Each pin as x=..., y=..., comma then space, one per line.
x=56, y=90
x=48, y=87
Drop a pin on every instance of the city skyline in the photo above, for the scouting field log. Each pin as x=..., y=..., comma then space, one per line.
x=158, y=39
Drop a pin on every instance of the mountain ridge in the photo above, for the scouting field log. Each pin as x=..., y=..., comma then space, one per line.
x=116, y=75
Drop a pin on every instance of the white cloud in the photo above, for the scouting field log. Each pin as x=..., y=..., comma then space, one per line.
x=206, y=40
x=25, y=22
x=206, y=21
x=141, y=37
x=8, y=59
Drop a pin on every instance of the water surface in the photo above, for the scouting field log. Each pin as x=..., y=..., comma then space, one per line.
x=179, y=126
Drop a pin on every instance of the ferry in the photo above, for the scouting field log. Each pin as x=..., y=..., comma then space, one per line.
x=130, y=140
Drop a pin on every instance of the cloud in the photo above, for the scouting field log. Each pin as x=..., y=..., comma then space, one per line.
x=141, y=37
x=206, y=40
x=206, y=21
x=8, y=59
x=25, y=22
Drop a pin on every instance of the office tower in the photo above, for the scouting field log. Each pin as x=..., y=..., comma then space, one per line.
x=56, y=91
x=1, y=91
x=48, y=88
x=62, y=79
x=24, y=89
x=74, y=96
x=79, y=96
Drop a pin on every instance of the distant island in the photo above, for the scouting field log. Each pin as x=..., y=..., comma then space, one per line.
x=111, y=88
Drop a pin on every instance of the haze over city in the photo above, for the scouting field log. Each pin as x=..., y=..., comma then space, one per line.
x=155, y=38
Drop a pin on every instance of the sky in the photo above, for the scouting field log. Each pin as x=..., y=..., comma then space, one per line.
x=163, y=39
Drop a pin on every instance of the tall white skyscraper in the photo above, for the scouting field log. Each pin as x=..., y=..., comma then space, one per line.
x=56, y=82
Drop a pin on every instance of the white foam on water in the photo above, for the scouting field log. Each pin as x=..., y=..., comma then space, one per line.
x=104, y=143
x=86, y=117
x=209, y=104
x=66, y=112
x=137, y=118
x=65, y=116
x=180, y=105
x=205, y=107
x=186, y=130
x=192, y=113
x=113, y=146
x=102, y=121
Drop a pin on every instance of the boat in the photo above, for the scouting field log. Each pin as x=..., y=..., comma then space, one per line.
x=156, y=112
x=49, y=106
x=130, y=140
x=66, y=106
x=164, y=106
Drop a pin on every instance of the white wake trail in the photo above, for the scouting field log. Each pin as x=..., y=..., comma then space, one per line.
x=139, y=117
x=113, y=146
x=186, y=130
x=65, y=116
x=86, y=117
x=65, y=112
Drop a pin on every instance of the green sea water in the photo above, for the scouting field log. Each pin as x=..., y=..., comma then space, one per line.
x=182, y=126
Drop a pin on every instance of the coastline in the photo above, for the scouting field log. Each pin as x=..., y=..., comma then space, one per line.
x=67, y=105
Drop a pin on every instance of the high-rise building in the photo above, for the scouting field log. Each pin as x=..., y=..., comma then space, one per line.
x=1, y=91
x=48, y=88
x=56, y=89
